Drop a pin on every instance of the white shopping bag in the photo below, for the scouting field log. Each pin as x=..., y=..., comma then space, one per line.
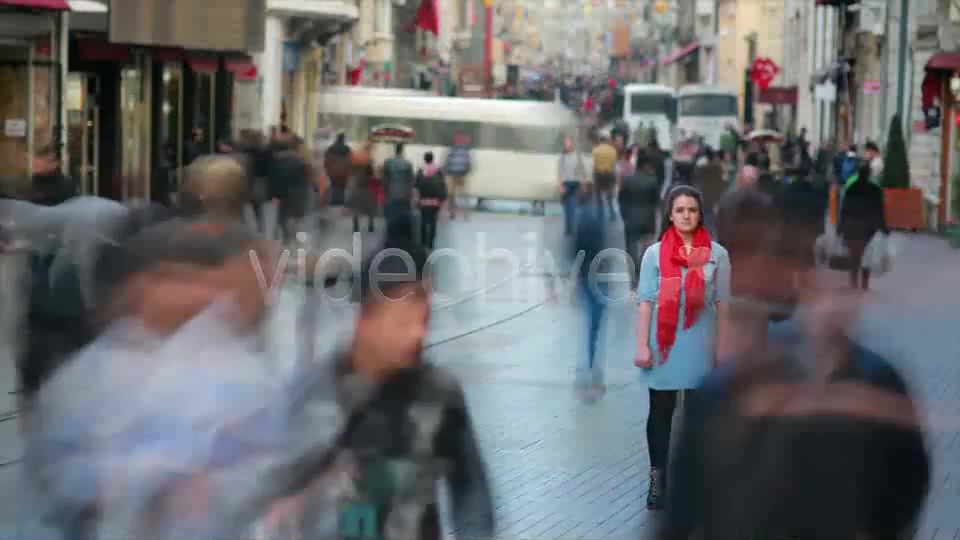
x=831, y=251
x=878, y=255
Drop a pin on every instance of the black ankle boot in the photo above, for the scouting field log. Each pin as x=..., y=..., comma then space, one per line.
x=658, y=485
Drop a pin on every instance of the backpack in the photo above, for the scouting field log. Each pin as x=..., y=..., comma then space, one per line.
x=458, y=162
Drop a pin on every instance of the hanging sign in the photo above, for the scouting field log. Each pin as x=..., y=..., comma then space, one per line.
x=763, y=72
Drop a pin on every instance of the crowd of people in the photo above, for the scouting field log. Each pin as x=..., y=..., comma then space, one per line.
x=779, y=400
x=151, y=409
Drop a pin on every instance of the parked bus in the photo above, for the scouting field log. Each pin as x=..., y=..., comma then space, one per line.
x=652, y=105
x=706, y=111
x=515, y=144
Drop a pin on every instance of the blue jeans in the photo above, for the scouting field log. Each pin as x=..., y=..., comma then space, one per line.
x=595, y=300
x=571, y=189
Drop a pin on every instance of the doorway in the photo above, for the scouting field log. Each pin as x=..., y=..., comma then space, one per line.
x=135, y=136
x=83, y=125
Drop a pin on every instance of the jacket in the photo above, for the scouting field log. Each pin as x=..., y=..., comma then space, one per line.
x=862, y=212
x=398, y=179
x=639, y=198
x=432, y=188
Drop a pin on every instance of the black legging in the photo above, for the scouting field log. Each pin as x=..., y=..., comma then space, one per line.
x=663, y=403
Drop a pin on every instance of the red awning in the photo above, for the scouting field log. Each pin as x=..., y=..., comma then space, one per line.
x=103, y=51
x=167, y=55
x=947, y=61
x=60, y=5
x=202, y=64
x=243, y=68
x=680, y=53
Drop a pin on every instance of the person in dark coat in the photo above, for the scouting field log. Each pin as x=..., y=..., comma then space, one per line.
x=431, y=195
x=288, y=183
x=802, y=205
x=363, y=197
x=708, y=178
x=861, y=216
x=338, y=167
x=639, y=198
x=49, y=186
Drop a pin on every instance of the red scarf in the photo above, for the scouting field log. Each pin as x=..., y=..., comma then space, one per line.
x=673, y=257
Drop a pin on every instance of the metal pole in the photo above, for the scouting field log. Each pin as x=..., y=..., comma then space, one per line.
x=902, y=55
x=748, y=82
x=64, y=61
x=488, y=48
x=30, y=111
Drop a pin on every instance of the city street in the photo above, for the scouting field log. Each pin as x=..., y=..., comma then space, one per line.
x=565, y=469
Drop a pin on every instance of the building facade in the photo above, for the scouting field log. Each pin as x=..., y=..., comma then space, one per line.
x=136, y=89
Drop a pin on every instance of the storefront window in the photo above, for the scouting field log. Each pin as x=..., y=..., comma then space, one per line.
x=172, y=119
x=130, y=90
x=203, y=96
x=383, y=22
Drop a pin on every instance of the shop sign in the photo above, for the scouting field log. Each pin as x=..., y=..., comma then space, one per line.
x=209, y=25
x=15, y=128
x=871, y=88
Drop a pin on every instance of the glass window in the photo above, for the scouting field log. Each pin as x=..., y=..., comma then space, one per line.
x=383, y=20
x=203, y=97
x=708, y=105
x=651, y=103
x=441, y=133
x=170, y=118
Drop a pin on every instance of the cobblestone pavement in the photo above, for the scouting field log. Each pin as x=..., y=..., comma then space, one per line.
x=566, y=469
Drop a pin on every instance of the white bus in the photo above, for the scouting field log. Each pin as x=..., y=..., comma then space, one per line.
x=706, y=111
x=515, y=144
x=652, y=105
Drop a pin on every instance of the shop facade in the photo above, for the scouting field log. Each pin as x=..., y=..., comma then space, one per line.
x=149, y=90
x=31, y=86
x=940, y=98
x=303, y=51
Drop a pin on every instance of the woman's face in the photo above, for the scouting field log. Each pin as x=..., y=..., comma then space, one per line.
x=685, y=214
x=568, y=145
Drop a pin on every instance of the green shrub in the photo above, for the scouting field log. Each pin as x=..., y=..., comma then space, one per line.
x=896, y=168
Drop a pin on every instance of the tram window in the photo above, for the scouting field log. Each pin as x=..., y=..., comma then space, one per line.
x=546, y=140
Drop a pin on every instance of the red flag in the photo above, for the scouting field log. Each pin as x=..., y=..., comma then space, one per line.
x=428, y=17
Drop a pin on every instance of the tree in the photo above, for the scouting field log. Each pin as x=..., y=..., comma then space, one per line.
x=896, y=169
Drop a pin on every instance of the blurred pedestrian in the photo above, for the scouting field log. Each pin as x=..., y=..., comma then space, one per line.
x=570, y=175
x=431, y=196
x=862, y=215
x=773, y=442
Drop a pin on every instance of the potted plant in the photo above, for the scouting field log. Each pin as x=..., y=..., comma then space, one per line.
x=903, y=204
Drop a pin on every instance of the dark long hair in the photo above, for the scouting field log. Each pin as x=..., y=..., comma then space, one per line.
x=682, y=190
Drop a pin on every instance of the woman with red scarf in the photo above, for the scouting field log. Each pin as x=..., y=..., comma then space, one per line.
x=684, y=285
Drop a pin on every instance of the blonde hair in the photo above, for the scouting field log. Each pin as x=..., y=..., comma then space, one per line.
x=218, y=184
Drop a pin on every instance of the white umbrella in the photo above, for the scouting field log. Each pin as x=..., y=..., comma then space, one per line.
x=765, y=136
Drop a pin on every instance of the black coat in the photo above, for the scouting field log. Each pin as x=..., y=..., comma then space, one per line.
x=862, y=212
